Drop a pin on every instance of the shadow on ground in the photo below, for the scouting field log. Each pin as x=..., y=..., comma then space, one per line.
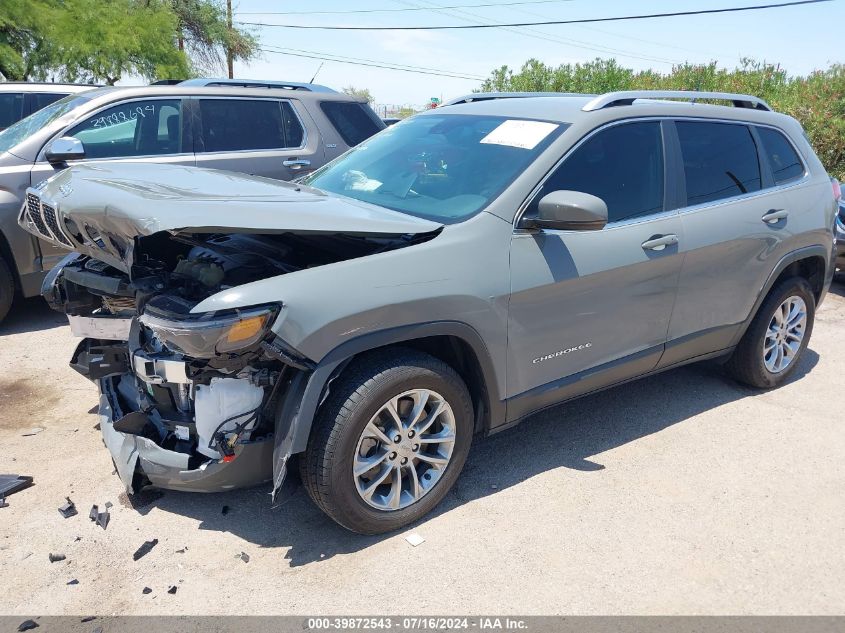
x=566, y=436
x=31, y=315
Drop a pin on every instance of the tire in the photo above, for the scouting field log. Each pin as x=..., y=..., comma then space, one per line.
x=748, y=363
x=338, y=440
x=7, y=289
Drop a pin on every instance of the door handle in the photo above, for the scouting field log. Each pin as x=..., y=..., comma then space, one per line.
x=659, y=242
x=297, y=163
x=773, y=216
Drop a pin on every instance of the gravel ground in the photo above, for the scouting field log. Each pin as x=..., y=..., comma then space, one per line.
x=679, y=494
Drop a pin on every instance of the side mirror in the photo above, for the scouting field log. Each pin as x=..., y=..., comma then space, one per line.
x=64, y=149
x=568, y=211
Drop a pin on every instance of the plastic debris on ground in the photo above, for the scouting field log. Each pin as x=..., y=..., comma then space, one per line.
x=415, y=539
x=73, y=582
x=145, y=549
x=33, y=431
x=100, y=518
x=172, y=590
x=10, y=484
x=68, y=509
x=55, y=558
x=27, y=625
x=243, y=556
x=146, y=590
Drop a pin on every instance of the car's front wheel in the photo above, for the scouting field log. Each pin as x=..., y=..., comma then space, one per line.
x=389, y=442
x=7, y=288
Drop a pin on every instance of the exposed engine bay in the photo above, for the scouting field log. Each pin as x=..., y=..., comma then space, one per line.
x=188, y=395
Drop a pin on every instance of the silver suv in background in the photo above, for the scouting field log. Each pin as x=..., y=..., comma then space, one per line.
x=456, y=273
x=277, y=133
x=19, y=99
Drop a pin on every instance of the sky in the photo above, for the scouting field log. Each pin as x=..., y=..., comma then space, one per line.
x=801, y=39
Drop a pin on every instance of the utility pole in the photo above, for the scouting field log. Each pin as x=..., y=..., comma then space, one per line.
x=229, y=59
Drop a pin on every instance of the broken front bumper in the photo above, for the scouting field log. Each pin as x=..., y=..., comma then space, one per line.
x=140, y=461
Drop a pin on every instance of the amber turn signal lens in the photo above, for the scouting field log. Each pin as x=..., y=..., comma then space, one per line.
x=246, y=329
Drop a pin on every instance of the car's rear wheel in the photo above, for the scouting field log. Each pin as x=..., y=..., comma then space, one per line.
x=773, y=345
x=7, y=289
x=389, y=442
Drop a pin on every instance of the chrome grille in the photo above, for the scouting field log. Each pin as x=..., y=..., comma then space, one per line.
x=52, y=222
x=33, y=207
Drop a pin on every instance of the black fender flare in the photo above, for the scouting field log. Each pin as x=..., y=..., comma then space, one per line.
x=308, y=389
x=816, y=250
x=334, y=361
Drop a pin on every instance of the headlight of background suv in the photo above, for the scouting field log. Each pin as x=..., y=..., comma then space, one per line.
x=207, y=335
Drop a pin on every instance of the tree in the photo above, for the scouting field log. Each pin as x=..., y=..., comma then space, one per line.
x=89, y=40
x=203, y=32
x=102, y=40
x=360, y=93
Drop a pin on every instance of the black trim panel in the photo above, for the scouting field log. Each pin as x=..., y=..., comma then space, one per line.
x=576, y=385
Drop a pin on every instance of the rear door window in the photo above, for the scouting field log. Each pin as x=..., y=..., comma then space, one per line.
x=231, y=125
x=135, y=128
x=355, y=122
x=40, y=100
x=11, y=108
x=720, y=160
x=783, y=159
x=622, y=165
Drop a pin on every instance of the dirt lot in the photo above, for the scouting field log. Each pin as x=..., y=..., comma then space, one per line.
x=683, y=493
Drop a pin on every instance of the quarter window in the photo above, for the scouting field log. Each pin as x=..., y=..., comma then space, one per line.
x=622, y=165
x=720, y=160
x=136, y=128
x=355, y=122
x=230, y=125
x=784, y=161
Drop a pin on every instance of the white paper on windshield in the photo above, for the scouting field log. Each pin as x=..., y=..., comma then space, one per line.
x=524, y=134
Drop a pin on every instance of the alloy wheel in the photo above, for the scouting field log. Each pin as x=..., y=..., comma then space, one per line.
x=404, y=449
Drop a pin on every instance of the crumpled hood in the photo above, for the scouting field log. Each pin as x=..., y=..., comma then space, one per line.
x=126, y=200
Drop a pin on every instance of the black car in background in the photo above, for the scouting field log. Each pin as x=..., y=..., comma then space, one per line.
x=20, y=99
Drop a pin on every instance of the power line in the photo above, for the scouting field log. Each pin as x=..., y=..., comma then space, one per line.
x=385, y=65
x=546, y=23
x=549, y=37
x=365, y=59
x=457, y=6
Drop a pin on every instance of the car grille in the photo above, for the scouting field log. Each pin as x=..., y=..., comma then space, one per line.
x=50, y=219
x=33, y=207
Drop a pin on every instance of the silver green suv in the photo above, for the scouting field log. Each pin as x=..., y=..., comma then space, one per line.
x=448, y=277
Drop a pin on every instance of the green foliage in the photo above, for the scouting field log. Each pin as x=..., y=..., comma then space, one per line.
x=817, y=100
x=204, y=33
x=102, y=40
x=360, y=93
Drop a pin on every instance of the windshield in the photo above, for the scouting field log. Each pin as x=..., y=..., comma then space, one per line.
x=442, y=167
x=16, y=133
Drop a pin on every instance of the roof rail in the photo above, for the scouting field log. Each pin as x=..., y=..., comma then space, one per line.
x=627, y=97
x=490, y=96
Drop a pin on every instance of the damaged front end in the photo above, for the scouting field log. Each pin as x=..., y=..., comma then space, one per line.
x=193, y=400
x=187, y=402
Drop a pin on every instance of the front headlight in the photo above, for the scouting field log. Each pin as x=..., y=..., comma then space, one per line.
x=208, y=335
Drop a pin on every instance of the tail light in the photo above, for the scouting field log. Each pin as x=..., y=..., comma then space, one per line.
x=837, y=189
